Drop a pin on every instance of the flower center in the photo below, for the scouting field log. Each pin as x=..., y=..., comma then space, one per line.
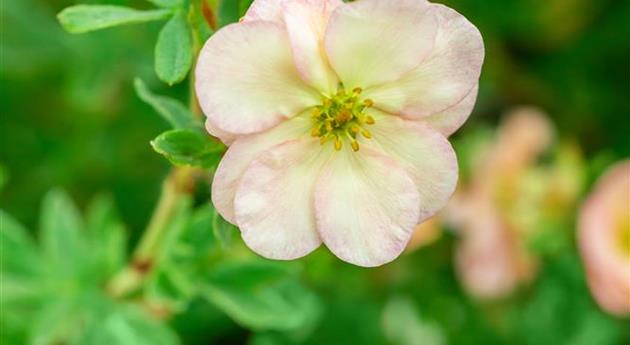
x=342, y=117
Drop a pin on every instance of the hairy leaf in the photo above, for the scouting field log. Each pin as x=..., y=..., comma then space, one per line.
x=170, y=109
x=173, y=51
x=188, y=147
x=84, y=18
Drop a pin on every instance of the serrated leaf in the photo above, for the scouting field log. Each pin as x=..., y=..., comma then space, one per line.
x=21, y=266
x=107, y=236
x=126, y=325
x=173, y=50
x=61, y=230
x=17, y=250
x=261, y=295
x=188, y=147
x=85, y=18
x=185, y=256
x=170, y=109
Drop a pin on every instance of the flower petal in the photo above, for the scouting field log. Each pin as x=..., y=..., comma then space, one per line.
x=306, y=22
x=425, y=154
x=370, y=42
x=451, y=119
x=366, y=207
x=274, y=200
x=241, y=153
x=246, y=79
x=444, y=78
x=269, y=10
x=225, y=137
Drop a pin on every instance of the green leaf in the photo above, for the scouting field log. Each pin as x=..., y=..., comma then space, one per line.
x=126, y=325
x=402, y=325
x=61, y=230
x=261, y=295
x=167, y=3
x=223, y=230
x=185, y=257
x=171, y=110
x=107, y=236
x=17, y=250
x=188, y=147
x=173, y=51
x=21, y=266
x=84, y=18
x=229, y=12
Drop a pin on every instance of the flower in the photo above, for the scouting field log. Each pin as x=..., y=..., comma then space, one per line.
x=337, y=116
x=604, y=240
x=492, y=258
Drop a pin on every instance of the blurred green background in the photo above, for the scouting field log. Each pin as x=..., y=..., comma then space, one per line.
x=70, y=118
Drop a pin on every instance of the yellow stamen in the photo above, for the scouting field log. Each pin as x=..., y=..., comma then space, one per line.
x=369, y=120
x=366, y=134
x=355, y=145
x=338, y=144
x=368, y=103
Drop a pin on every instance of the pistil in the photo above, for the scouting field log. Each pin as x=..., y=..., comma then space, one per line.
x=342, y=116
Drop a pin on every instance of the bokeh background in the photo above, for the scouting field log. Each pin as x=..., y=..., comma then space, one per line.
x=70, y=118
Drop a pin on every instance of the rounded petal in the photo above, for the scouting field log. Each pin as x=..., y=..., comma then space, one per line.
x=269, y=10
x=306, y=22
x=246, y=80
x=225, y=137
x=444, y=78
x=366, y=207
x=603, y=218
x=370, y=42
x=274, y=200
x=425, y=154
x=450, y=120
x=241, y=153
x=485, y=257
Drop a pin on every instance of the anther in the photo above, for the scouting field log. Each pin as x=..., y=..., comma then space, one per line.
x=355, y=145
x=338, y=143
x=366, y=134
x=357, y=90
x=369, y=120
x=315, y=132
x=368, y=103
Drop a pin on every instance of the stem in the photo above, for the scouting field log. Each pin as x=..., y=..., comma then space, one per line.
x=179, y=183
x=132, y=276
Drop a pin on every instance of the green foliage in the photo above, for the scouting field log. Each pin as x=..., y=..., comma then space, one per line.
x=173, y=51
x=403, y=326
x=188, y=147
x=562, y=312
x=173, y=111
x=55, y=295
x=85, y=18
x=261, y=295
x=230, y=11
x=167, y=3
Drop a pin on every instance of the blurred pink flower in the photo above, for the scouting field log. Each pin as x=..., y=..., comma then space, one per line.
x=604, y=240
x=337, y=117
x=491, y=258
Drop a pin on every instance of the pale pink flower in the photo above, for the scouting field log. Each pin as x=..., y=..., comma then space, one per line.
x=492, y=259
x=337, y=117
x=604, y=240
